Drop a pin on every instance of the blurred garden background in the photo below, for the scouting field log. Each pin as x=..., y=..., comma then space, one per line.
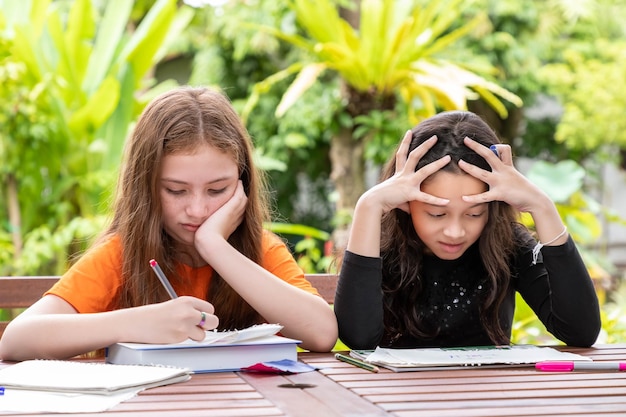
x=326, y=89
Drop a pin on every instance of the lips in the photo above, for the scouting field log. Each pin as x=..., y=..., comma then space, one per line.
x=191, y=227
x=451, y=248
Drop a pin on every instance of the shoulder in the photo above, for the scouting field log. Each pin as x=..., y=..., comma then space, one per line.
x=275, y=250
x=90, y=285
x=270, y=240
x=106, y=251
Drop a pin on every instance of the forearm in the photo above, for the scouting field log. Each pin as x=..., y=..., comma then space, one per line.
x=304, y=316
x=359, y=302
x=59, y=336
x=575, y=315
x=365, y=229
x=548, y=224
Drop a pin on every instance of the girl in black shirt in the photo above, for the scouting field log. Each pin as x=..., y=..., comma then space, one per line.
x=436, y=252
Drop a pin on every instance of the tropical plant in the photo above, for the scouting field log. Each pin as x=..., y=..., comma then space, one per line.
x=564, y=184
x=394, y=60
x=310, y=246
x=76, y=79
x=591, y=87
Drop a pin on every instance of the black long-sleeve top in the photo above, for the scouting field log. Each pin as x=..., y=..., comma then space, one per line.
x=558, y=288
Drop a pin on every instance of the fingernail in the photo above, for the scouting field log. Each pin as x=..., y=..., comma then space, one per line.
x=494, y=149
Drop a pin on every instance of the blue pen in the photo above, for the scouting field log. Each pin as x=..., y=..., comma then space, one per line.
x=1, y=390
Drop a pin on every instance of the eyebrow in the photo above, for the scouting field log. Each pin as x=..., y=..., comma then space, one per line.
x=213, y=181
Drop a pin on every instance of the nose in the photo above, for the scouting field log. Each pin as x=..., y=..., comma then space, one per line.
x=198, y=207
x=454, y=229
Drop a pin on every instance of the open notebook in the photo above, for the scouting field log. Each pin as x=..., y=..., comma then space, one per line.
x=428, y=359
x=87, y=377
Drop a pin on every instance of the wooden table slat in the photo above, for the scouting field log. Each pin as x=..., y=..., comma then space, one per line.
x=599, y=410
x=324, y=398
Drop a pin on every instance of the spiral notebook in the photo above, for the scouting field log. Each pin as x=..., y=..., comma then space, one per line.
x=87, y=377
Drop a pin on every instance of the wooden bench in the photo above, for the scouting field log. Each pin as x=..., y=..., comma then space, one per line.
x=21, y=292
x=326, y=285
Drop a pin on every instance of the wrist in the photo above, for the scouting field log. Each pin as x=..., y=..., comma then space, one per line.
x=370, y=204
x=211, y=245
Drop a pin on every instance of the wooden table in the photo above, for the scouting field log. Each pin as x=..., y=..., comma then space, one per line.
x=339, y=389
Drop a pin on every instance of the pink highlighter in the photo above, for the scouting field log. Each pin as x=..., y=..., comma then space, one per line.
x=569, y=366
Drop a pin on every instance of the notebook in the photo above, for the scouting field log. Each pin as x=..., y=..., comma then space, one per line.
x=219, y=351
x=87, y=377
x=428, y=359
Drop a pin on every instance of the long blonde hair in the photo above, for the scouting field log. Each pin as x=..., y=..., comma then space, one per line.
x=180, y=121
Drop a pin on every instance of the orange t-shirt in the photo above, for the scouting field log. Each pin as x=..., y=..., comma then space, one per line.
x=93, y=283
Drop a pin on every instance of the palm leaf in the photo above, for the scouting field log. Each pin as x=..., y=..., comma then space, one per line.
x=304, y=80
x=140, y=52
x=394, y=52
x=110, y=32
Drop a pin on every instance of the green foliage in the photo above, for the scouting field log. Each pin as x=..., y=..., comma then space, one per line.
x=583, y=216
x=563, y=182
x=71, y=73
x=381, y=128
x=614, y=317
x=235, y=60
x=309, y=247
x=397, y=49
x=591, y=86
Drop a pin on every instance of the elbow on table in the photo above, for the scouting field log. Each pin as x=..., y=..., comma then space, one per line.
x=357, y=341
x=321, y=342
x=583, y=341
x=584, y=335
x=9, y=352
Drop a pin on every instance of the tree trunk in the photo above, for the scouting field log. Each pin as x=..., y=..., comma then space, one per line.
x=347, y=175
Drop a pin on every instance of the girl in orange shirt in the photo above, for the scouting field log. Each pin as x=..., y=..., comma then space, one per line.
x=190, y=197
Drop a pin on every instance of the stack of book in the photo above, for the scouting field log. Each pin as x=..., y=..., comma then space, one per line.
x=219, y=351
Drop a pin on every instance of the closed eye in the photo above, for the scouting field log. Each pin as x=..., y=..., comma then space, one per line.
x=436, y=215
x=217, y=191
x=477, y=215
x=174, y=192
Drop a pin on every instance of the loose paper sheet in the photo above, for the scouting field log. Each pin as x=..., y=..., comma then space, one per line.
x=25, y=401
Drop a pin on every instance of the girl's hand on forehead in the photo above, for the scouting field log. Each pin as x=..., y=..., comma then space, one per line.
x=505, y=182
x=405, y=185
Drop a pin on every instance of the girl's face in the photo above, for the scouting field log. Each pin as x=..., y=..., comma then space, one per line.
x=192, y=187
x=448, y=231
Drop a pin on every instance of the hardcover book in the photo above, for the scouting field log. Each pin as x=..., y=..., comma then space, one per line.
x=219, y=351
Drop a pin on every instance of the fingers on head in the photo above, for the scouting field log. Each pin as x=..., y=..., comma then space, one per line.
x=403, y=149
x=435, y=166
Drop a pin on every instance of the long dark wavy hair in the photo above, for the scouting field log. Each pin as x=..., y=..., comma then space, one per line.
x=402, y=250
x=179, y=122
